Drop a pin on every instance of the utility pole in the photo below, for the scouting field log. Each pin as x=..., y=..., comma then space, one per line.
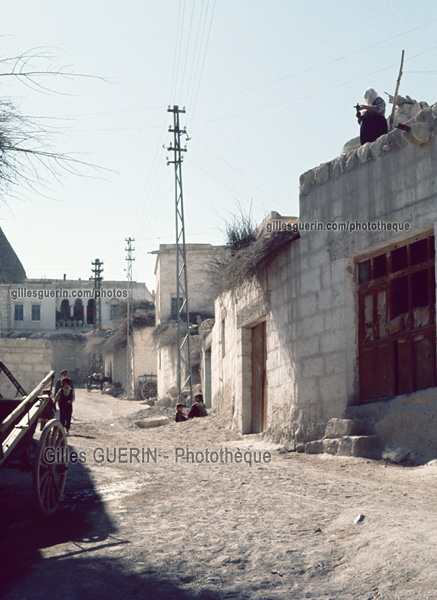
x=183, y=326
x=98, y=269
x=130, y=362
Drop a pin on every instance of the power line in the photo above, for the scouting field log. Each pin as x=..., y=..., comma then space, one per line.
x=313, y=94
x=233, y=167
x=319, y=66
x=194, y=104
x=187, y=50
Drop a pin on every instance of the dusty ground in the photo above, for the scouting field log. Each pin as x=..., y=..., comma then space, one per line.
x=282, y=529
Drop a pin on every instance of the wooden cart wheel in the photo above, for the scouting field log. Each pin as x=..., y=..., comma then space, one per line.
x=148, y=390
x=50, y=467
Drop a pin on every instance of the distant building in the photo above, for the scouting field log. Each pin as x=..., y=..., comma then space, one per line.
x=57, y=314
x=201, y=295
x=201, y=306
x=46, y=305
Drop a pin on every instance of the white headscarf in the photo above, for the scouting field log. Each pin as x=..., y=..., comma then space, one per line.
x=370, y=95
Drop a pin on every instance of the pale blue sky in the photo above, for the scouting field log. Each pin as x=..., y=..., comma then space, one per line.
x=269, y=88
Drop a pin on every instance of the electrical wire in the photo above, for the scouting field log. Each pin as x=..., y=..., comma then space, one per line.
x=319, y=66
x=313, y=94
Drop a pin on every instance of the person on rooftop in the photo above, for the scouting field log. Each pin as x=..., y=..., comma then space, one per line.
x=372, y=120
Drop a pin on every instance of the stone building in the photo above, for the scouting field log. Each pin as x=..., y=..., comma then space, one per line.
x=46, y=305
x=200, y=290
x=201, y=307
x=338, y=321
x=144, y=358
x=60, y=312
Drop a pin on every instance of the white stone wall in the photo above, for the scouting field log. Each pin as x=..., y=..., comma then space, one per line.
x=226, y=370
x=200, y=295
x=307, y=291
x=145, y=352
x=144, y=358
x=167, y=368
x=28, y=360
x=70, y=354
x=167, y=361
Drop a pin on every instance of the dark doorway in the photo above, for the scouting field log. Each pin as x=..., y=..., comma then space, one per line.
x=259, y=378
x=65, y=310
x=78, y=311
x=91, y=312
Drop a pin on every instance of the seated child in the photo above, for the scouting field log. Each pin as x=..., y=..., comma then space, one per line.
x=179, y=414
x=198, y=409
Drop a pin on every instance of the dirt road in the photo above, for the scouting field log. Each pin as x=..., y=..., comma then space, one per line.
x=194, y=511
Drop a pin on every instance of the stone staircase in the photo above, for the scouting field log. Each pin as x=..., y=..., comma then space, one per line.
x=347, y=437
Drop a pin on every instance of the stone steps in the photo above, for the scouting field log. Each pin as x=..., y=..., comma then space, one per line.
x=347, y=437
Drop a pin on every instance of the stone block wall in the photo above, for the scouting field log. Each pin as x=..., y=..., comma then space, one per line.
x=226, y=370
x=167, y=369
x=201, y=298
x=28, y=360
x=70, y=354
x=144, y=358
x=406, y=424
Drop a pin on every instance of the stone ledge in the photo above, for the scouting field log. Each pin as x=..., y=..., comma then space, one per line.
x=364, y=446
x=337, y=428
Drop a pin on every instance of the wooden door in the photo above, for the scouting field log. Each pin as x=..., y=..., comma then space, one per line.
x=259, y=378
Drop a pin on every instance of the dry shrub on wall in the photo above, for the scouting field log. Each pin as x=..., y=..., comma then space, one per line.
x=143, y=316
x=240, y=233
x=143, y=313
x=244, y=253
x=166, y=334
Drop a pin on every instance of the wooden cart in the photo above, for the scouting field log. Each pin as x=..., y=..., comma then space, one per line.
x=97, y=380
x=147, y=386
x=46, y=457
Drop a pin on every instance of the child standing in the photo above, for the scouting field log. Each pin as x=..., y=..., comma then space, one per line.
x=65, y=399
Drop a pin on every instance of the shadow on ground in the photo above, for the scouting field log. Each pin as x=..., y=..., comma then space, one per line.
x=84, y=567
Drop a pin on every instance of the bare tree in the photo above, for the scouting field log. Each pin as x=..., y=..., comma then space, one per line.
x=25, y=155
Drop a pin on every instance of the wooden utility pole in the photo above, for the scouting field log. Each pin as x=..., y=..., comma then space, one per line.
x=391, y=120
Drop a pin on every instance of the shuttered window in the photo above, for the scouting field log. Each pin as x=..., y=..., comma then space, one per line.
x=397, y=332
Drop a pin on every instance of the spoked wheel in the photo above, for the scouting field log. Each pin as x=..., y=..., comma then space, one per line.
x=148, y=390
x=50, y=467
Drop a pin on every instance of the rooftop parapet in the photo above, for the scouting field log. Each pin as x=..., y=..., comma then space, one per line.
x=421, y=128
